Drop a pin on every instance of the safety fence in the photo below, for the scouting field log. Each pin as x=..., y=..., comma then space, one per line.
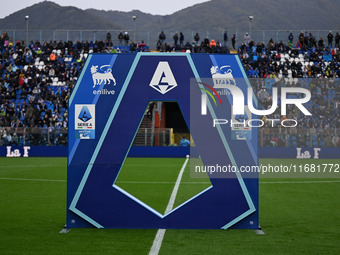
x=151, y=37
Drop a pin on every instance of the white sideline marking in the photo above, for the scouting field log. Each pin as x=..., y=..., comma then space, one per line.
x=157, y=242
x=24, y=166
x=138, y=182
x=35, y=180
x=175, y=190
x=308, y=182
x=274, y=182
x=148, y=165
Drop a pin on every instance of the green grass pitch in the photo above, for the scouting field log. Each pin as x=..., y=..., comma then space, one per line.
x=298, y=216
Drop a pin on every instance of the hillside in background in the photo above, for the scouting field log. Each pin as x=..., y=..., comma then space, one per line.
x=211, y=15
x=48, y=15
x=233, y=15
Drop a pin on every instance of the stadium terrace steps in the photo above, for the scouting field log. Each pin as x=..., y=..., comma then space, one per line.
x=140, y=139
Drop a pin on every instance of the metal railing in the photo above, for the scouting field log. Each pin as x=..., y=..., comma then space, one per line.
x=151, y=37
x=58, y=136
x=33, y=136
x=268, y=137
x=152, y=137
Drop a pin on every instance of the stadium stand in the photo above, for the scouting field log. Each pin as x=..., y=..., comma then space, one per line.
x=36, y=82
x=310, y=64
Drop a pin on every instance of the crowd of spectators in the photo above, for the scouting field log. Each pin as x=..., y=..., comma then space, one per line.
x=196, y=46
x=36, y=81
x=319, y=129
x=308, y=58
x=308, y=63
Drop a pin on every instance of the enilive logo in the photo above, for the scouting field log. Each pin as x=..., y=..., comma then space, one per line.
x=163, y=80
x=221, y=76
x=102, y=78
x=98, y=78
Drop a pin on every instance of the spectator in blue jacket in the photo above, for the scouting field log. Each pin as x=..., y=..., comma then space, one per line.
x=184, y=142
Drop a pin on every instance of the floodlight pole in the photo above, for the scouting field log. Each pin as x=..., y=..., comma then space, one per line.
x=134, y=28
x=26, y=18
x=250, y=19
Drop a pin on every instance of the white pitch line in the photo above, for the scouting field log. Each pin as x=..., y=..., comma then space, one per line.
x=273, y=182
x=157, y=242
x=298, y=182
x=139, y=182
x=129, y=164
x=24, y=166
x=175, y=190
x=35, y=180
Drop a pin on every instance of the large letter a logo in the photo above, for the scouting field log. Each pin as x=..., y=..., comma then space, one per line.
x=163, y=80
